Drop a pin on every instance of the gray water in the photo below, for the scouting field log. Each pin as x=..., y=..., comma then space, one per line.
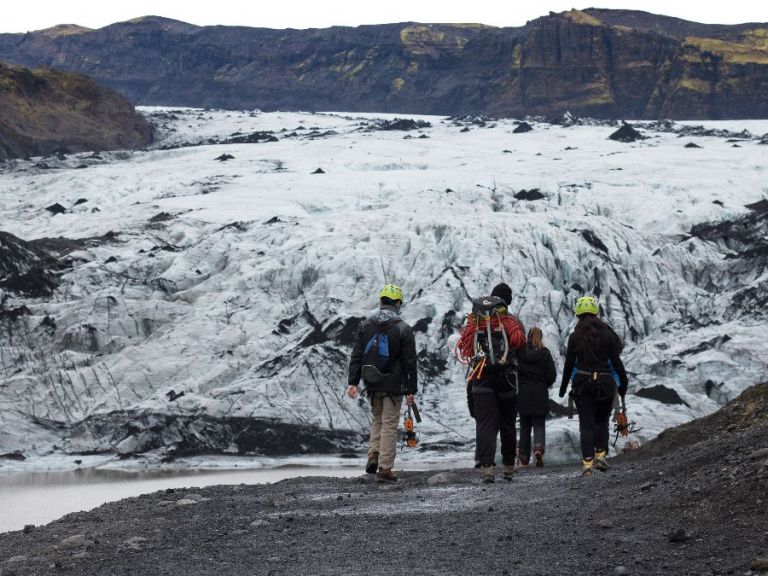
x=41, y=497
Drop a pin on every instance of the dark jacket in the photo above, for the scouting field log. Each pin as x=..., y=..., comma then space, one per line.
x=402, y=351
x=595, y=378
x=501, y=381
x=536, y=373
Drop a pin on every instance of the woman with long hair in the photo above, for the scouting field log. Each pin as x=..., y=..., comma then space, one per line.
x=591, y=360
x=536, y=373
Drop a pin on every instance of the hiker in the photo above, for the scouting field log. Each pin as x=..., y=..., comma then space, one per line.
x=591, y=359
x=536, y=373
x=384, y=356
x=492, y=378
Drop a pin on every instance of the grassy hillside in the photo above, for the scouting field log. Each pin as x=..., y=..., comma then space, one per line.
x=45, y=110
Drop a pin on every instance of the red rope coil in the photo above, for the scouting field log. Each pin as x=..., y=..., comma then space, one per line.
x=465, y=345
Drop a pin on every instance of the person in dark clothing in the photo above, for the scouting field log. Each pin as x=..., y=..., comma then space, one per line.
x=536, y=373
x=494, y=396
x=384, y=357
x=591, y=360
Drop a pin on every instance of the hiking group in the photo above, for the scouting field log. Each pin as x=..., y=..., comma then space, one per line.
x=509, y=374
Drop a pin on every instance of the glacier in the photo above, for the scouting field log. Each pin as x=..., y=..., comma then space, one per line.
x=201, y=296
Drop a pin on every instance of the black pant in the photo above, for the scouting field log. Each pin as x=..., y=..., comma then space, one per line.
x=594, y=415
x=528, y=421
x=494, y=414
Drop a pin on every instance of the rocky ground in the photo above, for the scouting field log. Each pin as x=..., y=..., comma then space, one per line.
x=693, y=501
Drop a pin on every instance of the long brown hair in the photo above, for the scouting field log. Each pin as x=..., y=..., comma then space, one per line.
x=535, y=338
x=587, y=333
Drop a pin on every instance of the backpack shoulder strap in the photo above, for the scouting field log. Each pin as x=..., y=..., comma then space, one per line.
x=402, y=328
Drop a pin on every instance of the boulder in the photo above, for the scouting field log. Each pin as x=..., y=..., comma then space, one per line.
x=532, y=194
x=441, y=478
x=626, y=134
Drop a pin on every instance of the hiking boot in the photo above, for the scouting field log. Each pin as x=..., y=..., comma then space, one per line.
x=386, y=475
x=523, y=462
x=600, y=463
x=539, y=457
x=488, y=475
x=373, y=463
x=586, y=467
x=507, y=471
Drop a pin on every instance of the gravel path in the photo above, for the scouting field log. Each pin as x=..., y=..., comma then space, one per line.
x=695, y=501
x=546, y=521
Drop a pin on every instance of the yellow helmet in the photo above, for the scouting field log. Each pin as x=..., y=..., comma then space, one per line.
x=392, y=292
x=586, y=305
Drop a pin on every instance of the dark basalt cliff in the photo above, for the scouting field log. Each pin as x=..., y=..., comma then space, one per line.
x=48, y=111
x=603, y=63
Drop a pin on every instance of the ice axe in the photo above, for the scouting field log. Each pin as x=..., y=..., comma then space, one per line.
x=409, y=435
x=416, y=413
x=623, y=426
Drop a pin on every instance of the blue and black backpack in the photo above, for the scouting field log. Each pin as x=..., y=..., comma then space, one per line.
x=378, y=366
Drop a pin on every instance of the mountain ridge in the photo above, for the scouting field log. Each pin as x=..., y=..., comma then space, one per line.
x=602, y=63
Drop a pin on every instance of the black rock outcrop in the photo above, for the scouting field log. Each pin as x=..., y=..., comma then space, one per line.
x=25, y=268
x=532, y=194
x=626, y=134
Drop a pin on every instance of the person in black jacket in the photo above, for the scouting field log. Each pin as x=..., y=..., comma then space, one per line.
x=494, y=396
x=535, y=373
x=591, y=359
x=384, y=357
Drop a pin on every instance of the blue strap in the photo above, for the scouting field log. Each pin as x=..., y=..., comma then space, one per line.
x=614, y=374
x=370, y=343
x=383, y=345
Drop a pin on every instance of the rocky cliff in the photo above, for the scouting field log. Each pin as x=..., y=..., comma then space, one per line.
x=603, y=63
x=48, y=111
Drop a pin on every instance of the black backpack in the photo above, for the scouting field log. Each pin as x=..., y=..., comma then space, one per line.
x=491, y=343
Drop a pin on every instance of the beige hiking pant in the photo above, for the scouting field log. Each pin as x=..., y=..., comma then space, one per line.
x=386, y=413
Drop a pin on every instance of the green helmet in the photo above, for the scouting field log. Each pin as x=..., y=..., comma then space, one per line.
x=586, y=305
x=392, y=292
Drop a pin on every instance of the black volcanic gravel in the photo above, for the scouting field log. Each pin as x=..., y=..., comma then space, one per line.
x=694, y=501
